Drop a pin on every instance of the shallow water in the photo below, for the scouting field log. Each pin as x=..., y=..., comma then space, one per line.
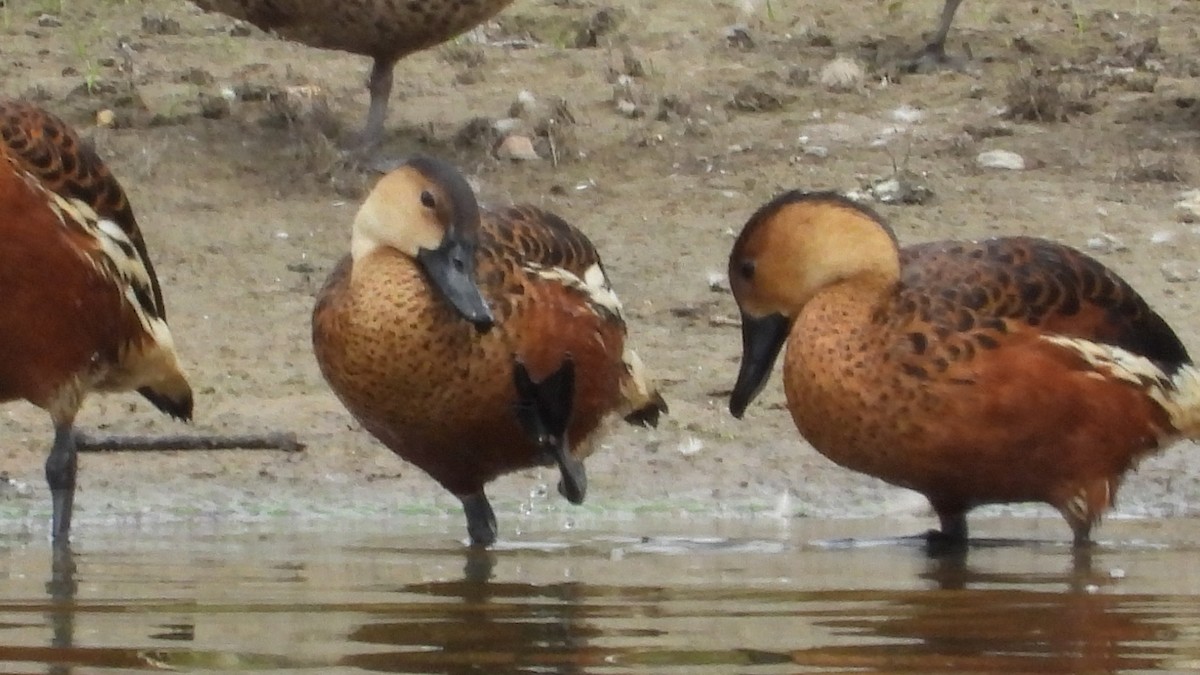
x=808, y=596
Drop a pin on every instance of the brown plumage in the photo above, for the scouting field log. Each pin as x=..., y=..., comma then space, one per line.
x=82, y=308
x=475, y=342
x=385, y=30
x=1006, y=370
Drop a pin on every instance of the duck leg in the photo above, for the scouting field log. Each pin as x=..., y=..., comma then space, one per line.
x=481, y=520
x=61, y=466
x=1082, y=503
x=952, y=537
x=1080, y=519
x=544, y=411
x=380, y=86
x=1083, y=536
x=937, y=46
x=934, y=53
x=953, y=522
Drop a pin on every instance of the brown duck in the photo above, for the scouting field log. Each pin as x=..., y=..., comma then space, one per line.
x=82, y=310
x=475, y=342
x=1006, y=370
x=385, y=30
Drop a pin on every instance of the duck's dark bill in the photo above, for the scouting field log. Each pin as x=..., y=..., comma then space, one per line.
x=451, y=268
x=762, y=338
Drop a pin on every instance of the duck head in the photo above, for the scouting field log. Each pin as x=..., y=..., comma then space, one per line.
x=790, y=249
x=425, y=209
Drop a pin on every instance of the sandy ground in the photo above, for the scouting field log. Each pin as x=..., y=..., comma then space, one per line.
x=686, y=116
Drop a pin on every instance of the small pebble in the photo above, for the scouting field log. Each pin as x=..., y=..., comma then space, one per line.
x=10, y=487
x=506, y=125
x=1162, y=237
x=1188, y=206
x=517, y=148
x=908, y=189
x=907, y=114
x=628, y=108
x=1001, y=159
x=1106, y=243
x=105, y=118
x=690, y=446
x=842, y=74
x=525, y=103
x=1177, y=271
x=718, y=282
x=738, y=36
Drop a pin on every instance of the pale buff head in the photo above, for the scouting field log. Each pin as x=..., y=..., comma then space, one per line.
x=799, y=243
x=414, y=208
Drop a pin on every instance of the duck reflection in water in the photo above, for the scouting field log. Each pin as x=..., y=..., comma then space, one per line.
x=60, y=590
x=477, y=622
x=977, y=620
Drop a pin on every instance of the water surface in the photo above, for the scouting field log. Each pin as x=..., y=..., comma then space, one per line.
x=646, y=597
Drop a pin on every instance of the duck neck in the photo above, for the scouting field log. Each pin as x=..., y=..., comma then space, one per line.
x=850, y=302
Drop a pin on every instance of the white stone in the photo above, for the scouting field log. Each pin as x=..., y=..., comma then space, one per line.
x=1001, y=159
x=718, y=281
x=1188, y=206
x=690, y=446
x=842, y=74
x=1106, y=243
x=627, y=108
x=907, y=114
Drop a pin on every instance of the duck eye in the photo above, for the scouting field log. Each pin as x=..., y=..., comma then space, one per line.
x=746, y=269
x=427, y=199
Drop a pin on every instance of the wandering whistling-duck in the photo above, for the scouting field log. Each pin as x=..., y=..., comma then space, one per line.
x=1006, y=370
x=385, y=30
x=81, y=310
x=474, y=342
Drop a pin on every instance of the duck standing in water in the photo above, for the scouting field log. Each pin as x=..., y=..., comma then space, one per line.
x=81, y=307
x=385, y=30
x=1005, y=370
x=475, y=342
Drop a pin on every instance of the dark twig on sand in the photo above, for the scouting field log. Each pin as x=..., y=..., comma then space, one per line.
x=283, y=440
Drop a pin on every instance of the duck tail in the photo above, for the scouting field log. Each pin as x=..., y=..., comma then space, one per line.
x=1174, y=387
x=1181, y=400
x=643, y=404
